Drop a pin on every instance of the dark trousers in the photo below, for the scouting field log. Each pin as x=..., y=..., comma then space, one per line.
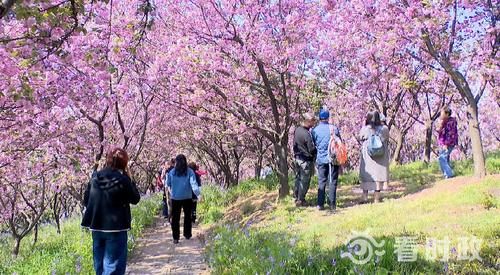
x=164, y=208
x=186, y=206
x=109, y=252
x=303, y=173
x=330, y=178
x=193, y=213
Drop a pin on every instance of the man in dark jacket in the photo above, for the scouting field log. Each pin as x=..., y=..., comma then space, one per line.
x=107, y=202
x=304, y=152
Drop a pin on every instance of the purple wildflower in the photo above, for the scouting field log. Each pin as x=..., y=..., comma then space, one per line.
x=271, y=259
x=78, y=264
x=445, y=267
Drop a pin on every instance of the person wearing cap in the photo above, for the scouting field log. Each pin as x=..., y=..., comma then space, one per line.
x=304, y=153
x=328, y=173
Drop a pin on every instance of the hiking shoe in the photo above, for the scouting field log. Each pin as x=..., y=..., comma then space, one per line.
x=176, y=241
x=320, y=207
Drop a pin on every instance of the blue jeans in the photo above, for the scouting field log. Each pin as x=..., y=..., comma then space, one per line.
x=110, y=252
x=325, y=176
x=444, y=162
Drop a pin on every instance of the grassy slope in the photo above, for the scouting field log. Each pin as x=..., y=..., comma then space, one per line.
x=307, y=241
x=449, y=208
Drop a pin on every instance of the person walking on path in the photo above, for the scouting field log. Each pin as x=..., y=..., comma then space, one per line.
x=304, y=153
x=195, y=168
x=181, y=182
x=166, y=203
x=159, y=181
x=328, y=172
x=107, y=200
x=447, y=139
x=374, y=163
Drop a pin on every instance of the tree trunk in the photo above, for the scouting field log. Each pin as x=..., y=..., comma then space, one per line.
x=58, y=224
x=399, y=145
x=476, y=141
x=228, y=176
x=57, y=213
x=237, y=173
x=282, y=171
x=35, y=234
x=258, y=167
x=17, y=245
x=428, y=142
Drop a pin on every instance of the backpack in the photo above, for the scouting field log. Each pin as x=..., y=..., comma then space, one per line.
x=337, y=150
x=375, y=145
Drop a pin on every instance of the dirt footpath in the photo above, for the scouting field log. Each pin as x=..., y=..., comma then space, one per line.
x=157, y=254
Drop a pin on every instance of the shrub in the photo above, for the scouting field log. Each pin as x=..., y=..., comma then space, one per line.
x=488, y=201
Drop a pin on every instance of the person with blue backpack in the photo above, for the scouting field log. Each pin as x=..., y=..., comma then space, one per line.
x=374, y=162
x=328, y=170
x=181, y=183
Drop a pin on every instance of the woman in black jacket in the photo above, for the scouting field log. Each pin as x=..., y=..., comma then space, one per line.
x=107, y=200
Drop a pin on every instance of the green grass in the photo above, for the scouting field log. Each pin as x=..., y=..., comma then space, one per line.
x=419, y=173
x=215, y=199
x=305, y=241
x=71, y=251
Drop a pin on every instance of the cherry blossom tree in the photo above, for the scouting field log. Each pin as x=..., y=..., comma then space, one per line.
x=248, y=61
